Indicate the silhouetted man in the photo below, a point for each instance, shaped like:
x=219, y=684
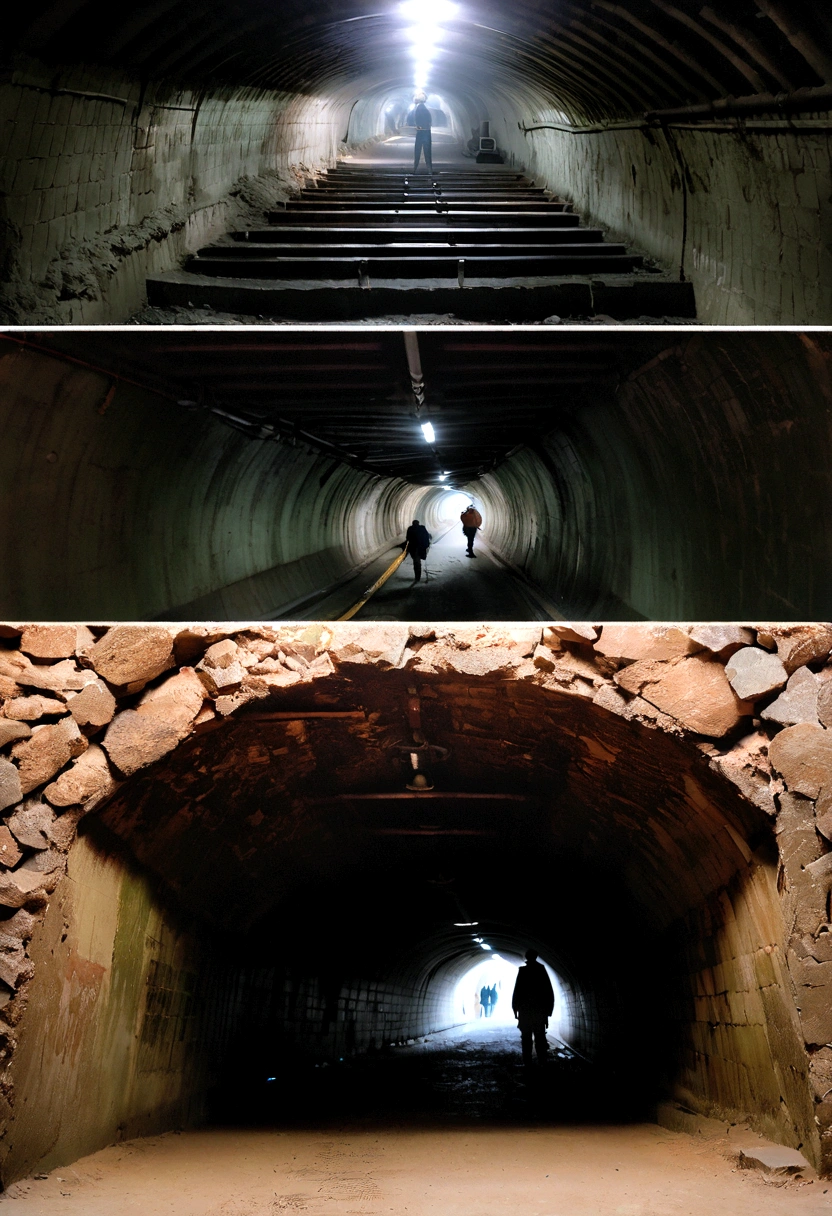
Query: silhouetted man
x=421, y=119
x=471, y=520
x=418, y=542
x=485, y=1001
x=494, y=997
x=533, y=1002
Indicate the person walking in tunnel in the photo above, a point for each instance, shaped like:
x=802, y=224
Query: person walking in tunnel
x=421, y=120
x=471, y=521
x=493, y=1001
x=485, y=1001
x=533, y=1002
x=418, y=542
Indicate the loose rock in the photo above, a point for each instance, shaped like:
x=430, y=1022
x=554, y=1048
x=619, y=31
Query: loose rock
x=132, y=654
x=802, y=754
x=695, y=691
x=631, y=643
x=49, y=641
x=138, y=737
x=31, y=824
x=30, y=709
x=11, y=790
x=799, y=701
x=47, y=751
x=723, y=640
x=753, y=673
x=88, y=778
x=11, y=731
x=10, y=852
x=94, y=706
x=19, y=887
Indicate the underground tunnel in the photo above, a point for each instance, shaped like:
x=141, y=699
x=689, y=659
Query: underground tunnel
x=253, y=476
x=253, y=876
x=696, y=142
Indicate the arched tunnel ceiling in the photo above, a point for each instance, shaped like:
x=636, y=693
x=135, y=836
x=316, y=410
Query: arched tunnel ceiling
x=485, y=393
x=250, y=813
x=588, y=58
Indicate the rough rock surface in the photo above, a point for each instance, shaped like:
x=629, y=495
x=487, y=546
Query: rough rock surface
x=137, y=737
x=694, y=691
x=630, y=643
x=10, y=731
x=49, y=641
x=31, y=823
x=722, y=639
x=10, y=788
x=802, y=754
x=88, y=778
x=798, y=702
x=10, y=853
x=47, y=751
x=94, y=706
x=30, y=709
x=130, y=655
x=753, y=673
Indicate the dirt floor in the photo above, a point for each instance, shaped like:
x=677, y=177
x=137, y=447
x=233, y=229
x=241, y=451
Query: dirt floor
x=450, y=1126
x=176, y=315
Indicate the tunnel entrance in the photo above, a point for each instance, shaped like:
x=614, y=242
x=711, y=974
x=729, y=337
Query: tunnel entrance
x=294, y=848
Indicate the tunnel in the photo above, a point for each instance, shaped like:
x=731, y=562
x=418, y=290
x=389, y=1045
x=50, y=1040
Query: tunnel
x=619, y=475
x=699, y=140
x=258, y=864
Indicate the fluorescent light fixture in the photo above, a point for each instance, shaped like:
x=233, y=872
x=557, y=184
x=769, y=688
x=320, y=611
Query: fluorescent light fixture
x=427, y=16
x=465, y=924
x=485, y=946
x=443, y=476
x=428, y=432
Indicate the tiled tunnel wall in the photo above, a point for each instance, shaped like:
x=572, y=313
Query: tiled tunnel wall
x=741, y=211
x=633, y=506
x=103, y=182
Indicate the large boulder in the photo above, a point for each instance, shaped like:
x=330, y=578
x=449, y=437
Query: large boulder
x=694, y=691
x=129, y=656
x=754, y=673
x=165, y=715
x=40, y=757
x=88, y=779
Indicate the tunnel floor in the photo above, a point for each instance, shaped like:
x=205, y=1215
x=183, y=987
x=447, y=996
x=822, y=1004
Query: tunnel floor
x=452, y=587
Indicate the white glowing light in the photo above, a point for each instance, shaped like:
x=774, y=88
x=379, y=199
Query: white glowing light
x=443, y=476
x=465, y=924
x=425, y=34
x=428, y=431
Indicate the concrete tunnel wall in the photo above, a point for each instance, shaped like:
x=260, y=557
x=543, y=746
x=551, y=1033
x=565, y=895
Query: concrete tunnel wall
x=640, y=504
x=740, y=213
x=104, y=180
x=637, y=734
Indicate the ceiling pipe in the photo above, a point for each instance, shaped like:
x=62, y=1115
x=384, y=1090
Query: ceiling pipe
x=414, y=366
x=819, y=98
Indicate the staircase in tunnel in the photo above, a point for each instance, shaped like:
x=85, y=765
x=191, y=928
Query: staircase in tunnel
x=366, y=240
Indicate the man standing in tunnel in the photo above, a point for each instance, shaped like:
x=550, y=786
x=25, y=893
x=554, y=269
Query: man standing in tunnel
x=421, y=119
x=471, y=520
x=533, y=1002
x=418, y=542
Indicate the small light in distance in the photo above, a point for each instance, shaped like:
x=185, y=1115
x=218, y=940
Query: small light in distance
x=443, y=476
x=465, y=924
x=428, y=432
x=485, y=946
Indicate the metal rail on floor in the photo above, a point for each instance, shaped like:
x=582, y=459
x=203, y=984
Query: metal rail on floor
x=391, y=569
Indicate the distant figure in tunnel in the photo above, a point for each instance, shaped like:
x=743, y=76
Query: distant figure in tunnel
x=485, y=1001
x=494, y=998
x=420, y=118
x=418, y=542
x=471, y=520
x=533, y=1002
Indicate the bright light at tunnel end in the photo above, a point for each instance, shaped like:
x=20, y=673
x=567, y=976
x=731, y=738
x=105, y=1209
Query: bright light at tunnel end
x=424, y=35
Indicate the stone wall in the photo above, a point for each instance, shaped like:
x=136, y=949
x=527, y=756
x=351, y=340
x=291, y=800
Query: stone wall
x=743, y=211
x=85, y=710
x=105, y=181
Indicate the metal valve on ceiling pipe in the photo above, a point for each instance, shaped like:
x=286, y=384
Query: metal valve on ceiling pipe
x=414, y=366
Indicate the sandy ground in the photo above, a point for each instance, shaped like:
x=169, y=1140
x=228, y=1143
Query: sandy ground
x=640, y=1170
x=450, y=1165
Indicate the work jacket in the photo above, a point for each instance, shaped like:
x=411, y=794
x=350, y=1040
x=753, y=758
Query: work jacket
x=533, y=998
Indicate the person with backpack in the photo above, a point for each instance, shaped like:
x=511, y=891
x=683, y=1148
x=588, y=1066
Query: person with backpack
x=471, y=520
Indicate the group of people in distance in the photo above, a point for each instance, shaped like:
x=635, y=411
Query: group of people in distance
x=418, y=538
